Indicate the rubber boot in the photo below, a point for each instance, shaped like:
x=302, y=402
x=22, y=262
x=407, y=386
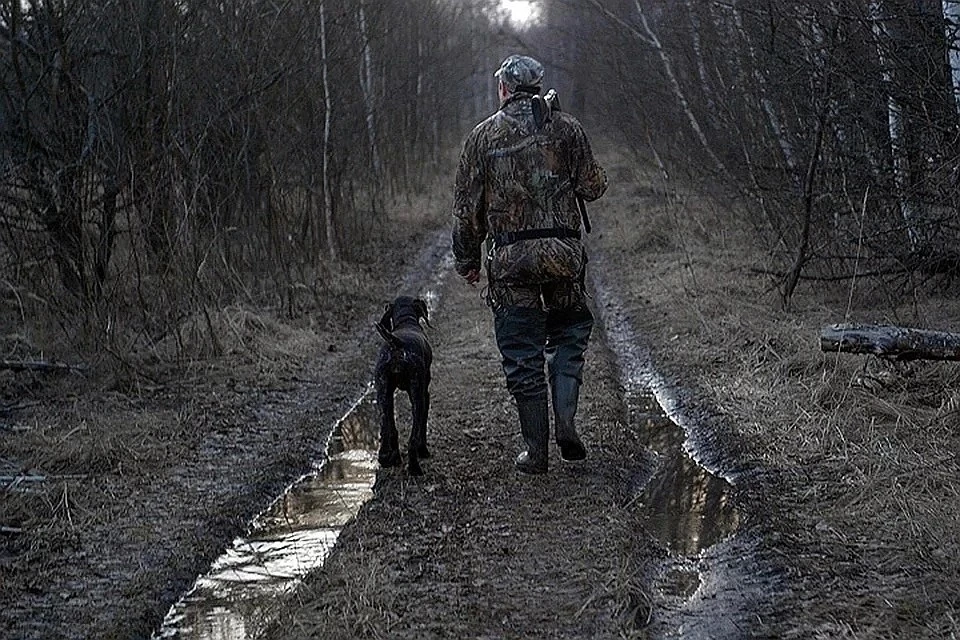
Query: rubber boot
x=535, y=429
x=566, y=393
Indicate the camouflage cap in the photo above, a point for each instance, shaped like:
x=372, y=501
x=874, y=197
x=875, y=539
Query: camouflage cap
x=518, y=71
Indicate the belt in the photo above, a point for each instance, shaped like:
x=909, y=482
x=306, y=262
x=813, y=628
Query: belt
x=509, y=237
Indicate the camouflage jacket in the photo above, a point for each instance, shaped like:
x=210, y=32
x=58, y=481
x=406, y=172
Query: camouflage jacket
x=514, y=177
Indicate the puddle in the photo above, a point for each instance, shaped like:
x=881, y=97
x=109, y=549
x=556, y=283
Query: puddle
x=686, y=505
x=294, y=536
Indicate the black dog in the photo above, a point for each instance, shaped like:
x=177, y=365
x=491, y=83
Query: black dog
x=404, y=363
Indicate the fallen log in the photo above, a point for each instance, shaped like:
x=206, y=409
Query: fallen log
x=887, y=341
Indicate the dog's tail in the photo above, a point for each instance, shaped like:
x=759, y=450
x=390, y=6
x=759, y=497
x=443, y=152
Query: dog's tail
x=387, y=336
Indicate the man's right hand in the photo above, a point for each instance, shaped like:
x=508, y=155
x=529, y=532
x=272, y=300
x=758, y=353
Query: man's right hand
x=472, y=276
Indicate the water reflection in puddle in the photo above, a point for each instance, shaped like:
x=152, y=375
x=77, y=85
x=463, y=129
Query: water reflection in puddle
x=294, y=536
x=685, y=507
x=233, y=601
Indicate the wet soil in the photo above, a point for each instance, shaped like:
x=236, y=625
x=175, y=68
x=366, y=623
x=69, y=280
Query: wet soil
x=804, y=504
x=568, y=555
x=147, y=478
x=502, y=554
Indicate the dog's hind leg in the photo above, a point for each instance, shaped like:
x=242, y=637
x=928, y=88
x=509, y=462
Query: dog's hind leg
x=389, y=454
x=422, y=450
x=420, y=405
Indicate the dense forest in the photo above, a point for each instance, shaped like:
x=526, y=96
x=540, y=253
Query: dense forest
x=161, y=156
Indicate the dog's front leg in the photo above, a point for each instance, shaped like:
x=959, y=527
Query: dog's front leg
x=389, y=454
x=420, y=406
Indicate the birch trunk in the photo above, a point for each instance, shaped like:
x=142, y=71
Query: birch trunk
x=844, y=140
x=677, y=89
x=366, y=85
x=697, y=42
x=951, y=19
x=327, y=121
x=909, y=209
x=820, y=58
x=423, y=137
x=769, y=109
x=649, y=37
x=419, y=69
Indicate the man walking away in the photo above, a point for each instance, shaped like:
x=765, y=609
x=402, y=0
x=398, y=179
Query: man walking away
x=523, y=175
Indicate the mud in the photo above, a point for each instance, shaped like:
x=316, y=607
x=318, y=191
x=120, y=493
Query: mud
x=768, y=498
x=148, y=484
x=236, y=598
x=683, y=506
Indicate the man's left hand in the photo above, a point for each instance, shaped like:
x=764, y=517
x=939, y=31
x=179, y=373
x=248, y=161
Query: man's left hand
x=472, y=276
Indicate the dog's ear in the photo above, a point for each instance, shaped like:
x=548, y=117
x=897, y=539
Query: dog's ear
x=421, y=308
x=387, y=320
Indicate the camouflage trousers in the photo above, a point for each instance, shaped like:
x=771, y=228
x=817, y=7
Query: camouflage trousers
x=551, y=334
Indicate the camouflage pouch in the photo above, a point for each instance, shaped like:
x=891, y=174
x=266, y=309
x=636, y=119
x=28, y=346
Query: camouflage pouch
x=537, y=261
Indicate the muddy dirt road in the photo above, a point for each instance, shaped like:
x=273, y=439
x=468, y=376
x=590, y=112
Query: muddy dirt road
x=774, y=525
x=474, y=549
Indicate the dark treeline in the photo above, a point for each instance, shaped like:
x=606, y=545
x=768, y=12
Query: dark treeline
x=838, y=119
x=159, y=156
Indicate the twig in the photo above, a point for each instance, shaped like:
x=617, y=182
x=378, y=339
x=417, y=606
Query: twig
x=66, y=505
x=23, y=316
x=39, y=478
x=477, y=434
x=837, y=278
x=23, y=478
x=5, y=408
x=40, y=365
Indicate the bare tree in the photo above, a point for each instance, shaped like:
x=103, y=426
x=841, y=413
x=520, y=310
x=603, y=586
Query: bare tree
x=366, y=83
x=164, y=155
x=784, y=96
x=909, y=207
x=327, y=120
x=951, y=18
x=647, y=35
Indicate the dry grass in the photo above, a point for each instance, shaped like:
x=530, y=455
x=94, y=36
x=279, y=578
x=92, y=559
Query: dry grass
x=252, y=334
x=368, y=603
x=170, y=403
x=864, y=453
x=867, y=449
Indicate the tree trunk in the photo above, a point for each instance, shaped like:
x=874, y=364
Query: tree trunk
x=327, y=120
x=702, y=74
x=107, y=234
x=40, y=365
x=951, y=18
x=808, y=197
x=899, y=343
x=909, y=208
x=769, y=108
x=677, y=90
x=649, y=37
x=366, y=84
